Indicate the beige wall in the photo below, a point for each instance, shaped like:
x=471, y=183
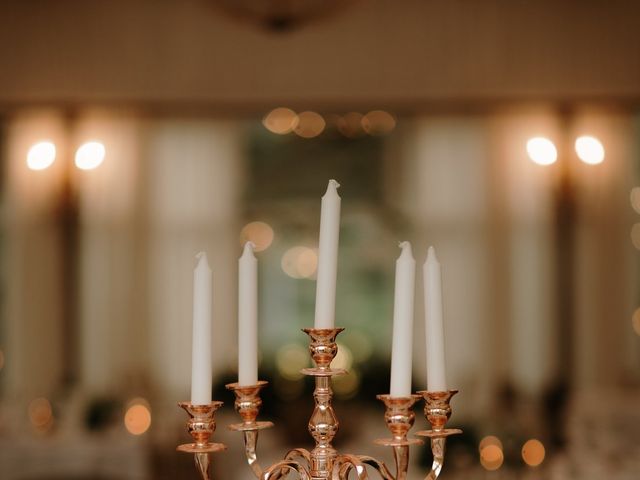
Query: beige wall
x=398, y=54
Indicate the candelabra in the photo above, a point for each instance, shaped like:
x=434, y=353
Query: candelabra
x=323, y=462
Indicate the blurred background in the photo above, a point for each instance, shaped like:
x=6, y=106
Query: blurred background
x=135, y=134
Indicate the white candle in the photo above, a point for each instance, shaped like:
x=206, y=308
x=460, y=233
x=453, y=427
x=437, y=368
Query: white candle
x=433, y=323
x=401, y=354
x=201, y=346
x=328, y=257
x=248, y=317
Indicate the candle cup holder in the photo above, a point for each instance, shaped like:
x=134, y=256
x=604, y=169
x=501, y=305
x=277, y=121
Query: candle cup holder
x=399, y=418
x=247, y=404
x=201, y=425
x=437, y=410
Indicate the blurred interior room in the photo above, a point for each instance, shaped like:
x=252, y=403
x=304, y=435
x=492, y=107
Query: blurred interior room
x=135, y=134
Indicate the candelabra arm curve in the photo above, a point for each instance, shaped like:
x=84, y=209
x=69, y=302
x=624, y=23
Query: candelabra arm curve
x=298, y=453
x=250, y=444
x=379, y=466
x=279, y=469
x=437, y=448
x=345, y=463
x=203, y=464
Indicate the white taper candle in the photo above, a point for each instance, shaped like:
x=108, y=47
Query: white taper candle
x=201, y=347
x=328, y=258
x=434, y=328
x=248, y=317
x=401, y=354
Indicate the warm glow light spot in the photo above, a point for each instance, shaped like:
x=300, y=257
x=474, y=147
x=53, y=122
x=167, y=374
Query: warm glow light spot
x=300, y=262
x=260, y=233
x=343, y=359
x=41, y=155
x=90, y=155
x=280, y=121
x=41, y=414
x=542, y=151
x=491, y=457
x=350, y=125
x=533, y=452
x=635, y=321
x=290, y=359
x=360, y=344
x=346, y=386
x=489, y=440
x=589, y=150
x=137, y=418
x=378, y=122
x=310, y=124
x=635, y=199
x=635, y=235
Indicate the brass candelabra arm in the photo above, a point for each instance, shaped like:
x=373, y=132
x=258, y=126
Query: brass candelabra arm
x=247, y=404
x=280, y=469
x=437, y=410
x=201, y=425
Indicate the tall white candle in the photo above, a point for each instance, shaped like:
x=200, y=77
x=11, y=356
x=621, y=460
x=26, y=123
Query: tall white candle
x=401, y=354
x=248, y=317
x=328, y=257
x=201, y=346
x=434, y=327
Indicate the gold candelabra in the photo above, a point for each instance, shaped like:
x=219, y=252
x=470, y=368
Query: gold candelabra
x=323, y=462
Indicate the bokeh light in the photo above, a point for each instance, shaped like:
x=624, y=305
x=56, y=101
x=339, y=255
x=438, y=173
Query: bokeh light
x=378, y=122
x=350, y=125
x=41, y=155
x=491, y=457
x=281, y=121
x=542, y=151
x=137, y=418
x=635, y=321
x=290, y=359
x=300, y=262
x=90, y=155
x=635, y=235
x=343, y=359
x=360, y=345
x=635, y=199
x=260, y=233
x=310, y=124
x=489, y=440
x=41, y=414
x=533, y=452
x=346, y=386
x=589, y=150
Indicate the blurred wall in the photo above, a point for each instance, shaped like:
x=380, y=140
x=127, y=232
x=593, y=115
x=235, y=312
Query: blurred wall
x=398, y=53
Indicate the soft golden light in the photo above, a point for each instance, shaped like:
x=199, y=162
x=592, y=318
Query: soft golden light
x=635, y=199
x=489, y=440
x=310, y=124
x=137, y=418
x=635, y=235
x=300, y=262
x=589, y=150
x=635, y=321
x=90, y=155
x=346, y=386
x=533, y=452
x=378, y=122
x=260, y=233
x=41, y=414
x=542, y=151
x=491, y=457
x=41, y=155
x=290, y=359
x=350, y=124
x=343, y=359
x=281, y=121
